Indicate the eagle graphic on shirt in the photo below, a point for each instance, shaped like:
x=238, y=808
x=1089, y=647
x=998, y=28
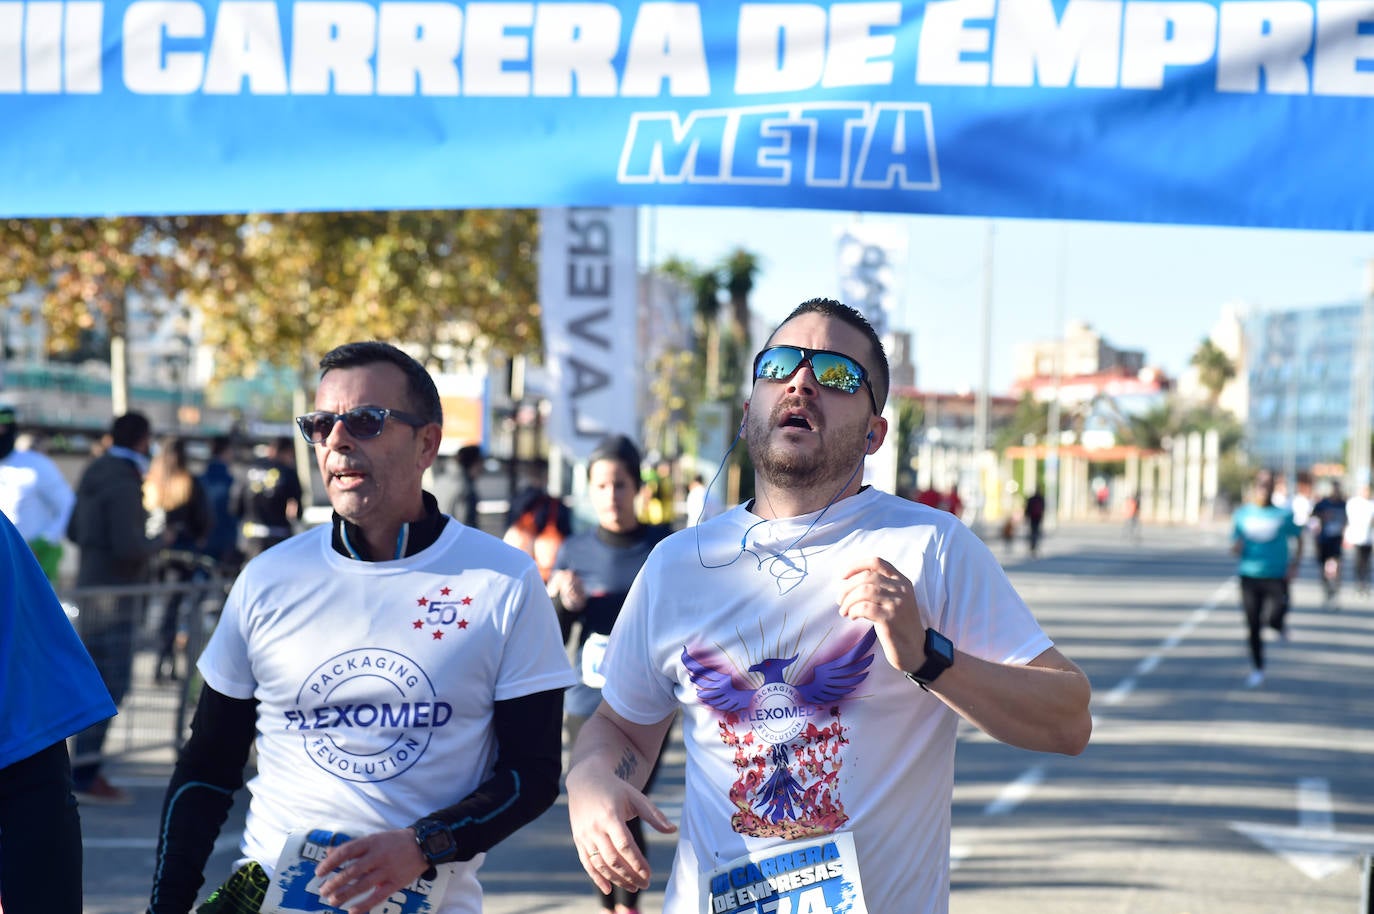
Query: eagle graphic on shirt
x=786, y=733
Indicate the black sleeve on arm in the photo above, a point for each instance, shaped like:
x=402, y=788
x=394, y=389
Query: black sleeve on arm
x=209, y=770
x=524, y=782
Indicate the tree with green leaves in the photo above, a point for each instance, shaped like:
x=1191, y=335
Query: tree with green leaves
x=1030, y=419
x=86, y=270
x=286, y=288
x=281, y=289
x=1215, y=369
x=740, y=268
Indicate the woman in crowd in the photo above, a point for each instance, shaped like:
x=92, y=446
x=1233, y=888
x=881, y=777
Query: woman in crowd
x=592, y=575
x=176, y=502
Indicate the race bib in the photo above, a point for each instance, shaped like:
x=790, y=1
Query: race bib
x=804, y=877
x=295, y=888
x=593, y=652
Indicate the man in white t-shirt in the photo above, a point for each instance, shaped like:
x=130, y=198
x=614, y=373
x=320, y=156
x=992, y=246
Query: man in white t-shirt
x=34, y=495
x=1359, y=513
x=402, y=675
x=822, y=642
x=702, y=503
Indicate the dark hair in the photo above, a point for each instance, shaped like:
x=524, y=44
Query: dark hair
x=619, y=449
x=469, y=455
x=220, y=444
x=422, y=395
x=828, y=307
x=130, y=429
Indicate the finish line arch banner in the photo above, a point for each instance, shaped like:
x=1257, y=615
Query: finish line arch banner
x=1229, y=112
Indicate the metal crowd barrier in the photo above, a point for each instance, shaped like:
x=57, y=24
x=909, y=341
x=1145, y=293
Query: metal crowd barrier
x=123, y=628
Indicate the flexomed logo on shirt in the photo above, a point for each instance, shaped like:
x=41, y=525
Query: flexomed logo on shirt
x=367, y=714
x=1208, y=111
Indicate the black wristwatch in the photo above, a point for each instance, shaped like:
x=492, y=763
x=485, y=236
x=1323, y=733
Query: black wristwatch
x=939, y=657
x=435, y=840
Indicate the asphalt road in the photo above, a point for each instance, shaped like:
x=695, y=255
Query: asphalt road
x=1195, y=796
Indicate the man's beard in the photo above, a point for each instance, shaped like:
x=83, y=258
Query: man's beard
x=789, y=468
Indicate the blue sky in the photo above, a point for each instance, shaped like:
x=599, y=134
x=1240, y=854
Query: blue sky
x=1157, y=288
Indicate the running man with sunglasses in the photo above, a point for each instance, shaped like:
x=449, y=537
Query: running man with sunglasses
x=822, y=642
x=402, y=675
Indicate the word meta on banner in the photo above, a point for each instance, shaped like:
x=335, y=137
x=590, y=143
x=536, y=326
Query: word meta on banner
x=884, y=146
x=587, y=286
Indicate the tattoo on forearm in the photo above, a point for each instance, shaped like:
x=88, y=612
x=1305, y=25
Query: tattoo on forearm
x=628, y=763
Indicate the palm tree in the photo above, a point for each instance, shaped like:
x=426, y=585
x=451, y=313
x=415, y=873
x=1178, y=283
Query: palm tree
x=706, y=288
x=1214, y=369
x=1153, y=427
x=740, y=268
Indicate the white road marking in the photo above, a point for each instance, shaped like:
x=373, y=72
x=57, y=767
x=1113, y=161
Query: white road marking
x=1012, y=795
x=1314, y=846
x=1019, y=790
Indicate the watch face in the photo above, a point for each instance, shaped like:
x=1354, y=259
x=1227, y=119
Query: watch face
x=436, y=840
x=939, y=645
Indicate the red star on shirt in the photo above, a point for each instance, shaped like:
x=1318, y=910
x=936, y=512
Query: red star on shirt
x=462, y=623
x=445, y=591
x=438, y=635
x=421, y=602
x=466, y=601
x=417, y=624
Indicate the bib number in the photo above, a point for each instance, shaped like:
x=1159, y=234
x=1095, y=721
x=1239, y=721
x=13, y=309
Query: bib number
x=295, y=888
x=820, y=876
x=593, y=653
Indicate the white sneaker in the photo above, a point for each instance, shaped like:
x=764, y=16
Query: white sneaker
x=1254, y=680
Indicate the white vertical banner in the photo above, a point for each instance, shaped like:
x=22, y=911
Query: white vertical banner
x=588, y=258
x=871, y=260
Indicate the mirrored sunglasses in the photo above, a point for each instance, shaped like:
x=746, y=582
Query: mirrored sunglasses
x=834, y=370
x=362, y=422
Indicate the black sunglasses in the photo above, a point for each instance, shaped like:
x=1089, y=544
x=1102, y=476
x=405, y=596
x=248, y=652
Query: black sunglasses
x=834, y=370
x=361, y=422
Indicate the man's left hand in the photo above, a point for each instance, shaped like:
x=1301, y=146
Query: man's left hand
x=875, y=590
x=370, y=868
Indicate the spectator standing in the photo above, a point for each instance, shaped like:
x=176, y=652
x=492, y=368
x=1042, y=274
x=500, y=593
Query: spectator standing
x=874, y=626
x=1035, y=517
x=1328, y=524
x=929, y=496
x=951, y=502
x=177, y=504
x=591, y=579
x=1301, y=501
x=34, y=495
x=40, y=851
x=537, y=525
x=222, y=543
x=110, y=527
x=269, y=501
x=1260, y=531
x=435, y=641
x=469, y=469
x=1359, y=515
x=1133, y=516
x=702, y=503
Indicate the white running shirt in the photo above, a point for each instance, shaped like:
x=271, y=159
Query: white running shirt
x=376, y=681
x=826, y=736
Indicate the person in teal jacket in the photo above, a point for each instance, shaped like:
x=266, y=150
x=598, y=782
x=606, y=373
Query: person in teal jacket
x=51, y=690
x=1260, y=534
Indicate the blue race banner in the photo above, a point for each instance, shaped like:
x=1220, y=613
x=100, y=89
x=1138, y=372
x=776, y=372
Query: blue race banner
x=1235, y=112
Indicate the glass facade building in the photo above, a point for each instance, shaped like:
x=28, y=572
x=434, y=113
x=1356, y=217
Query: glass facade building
x=1300, y=368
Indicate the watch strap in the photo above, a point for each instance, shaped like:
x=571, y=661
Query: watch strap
x=936, y=660
x=435, y=840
